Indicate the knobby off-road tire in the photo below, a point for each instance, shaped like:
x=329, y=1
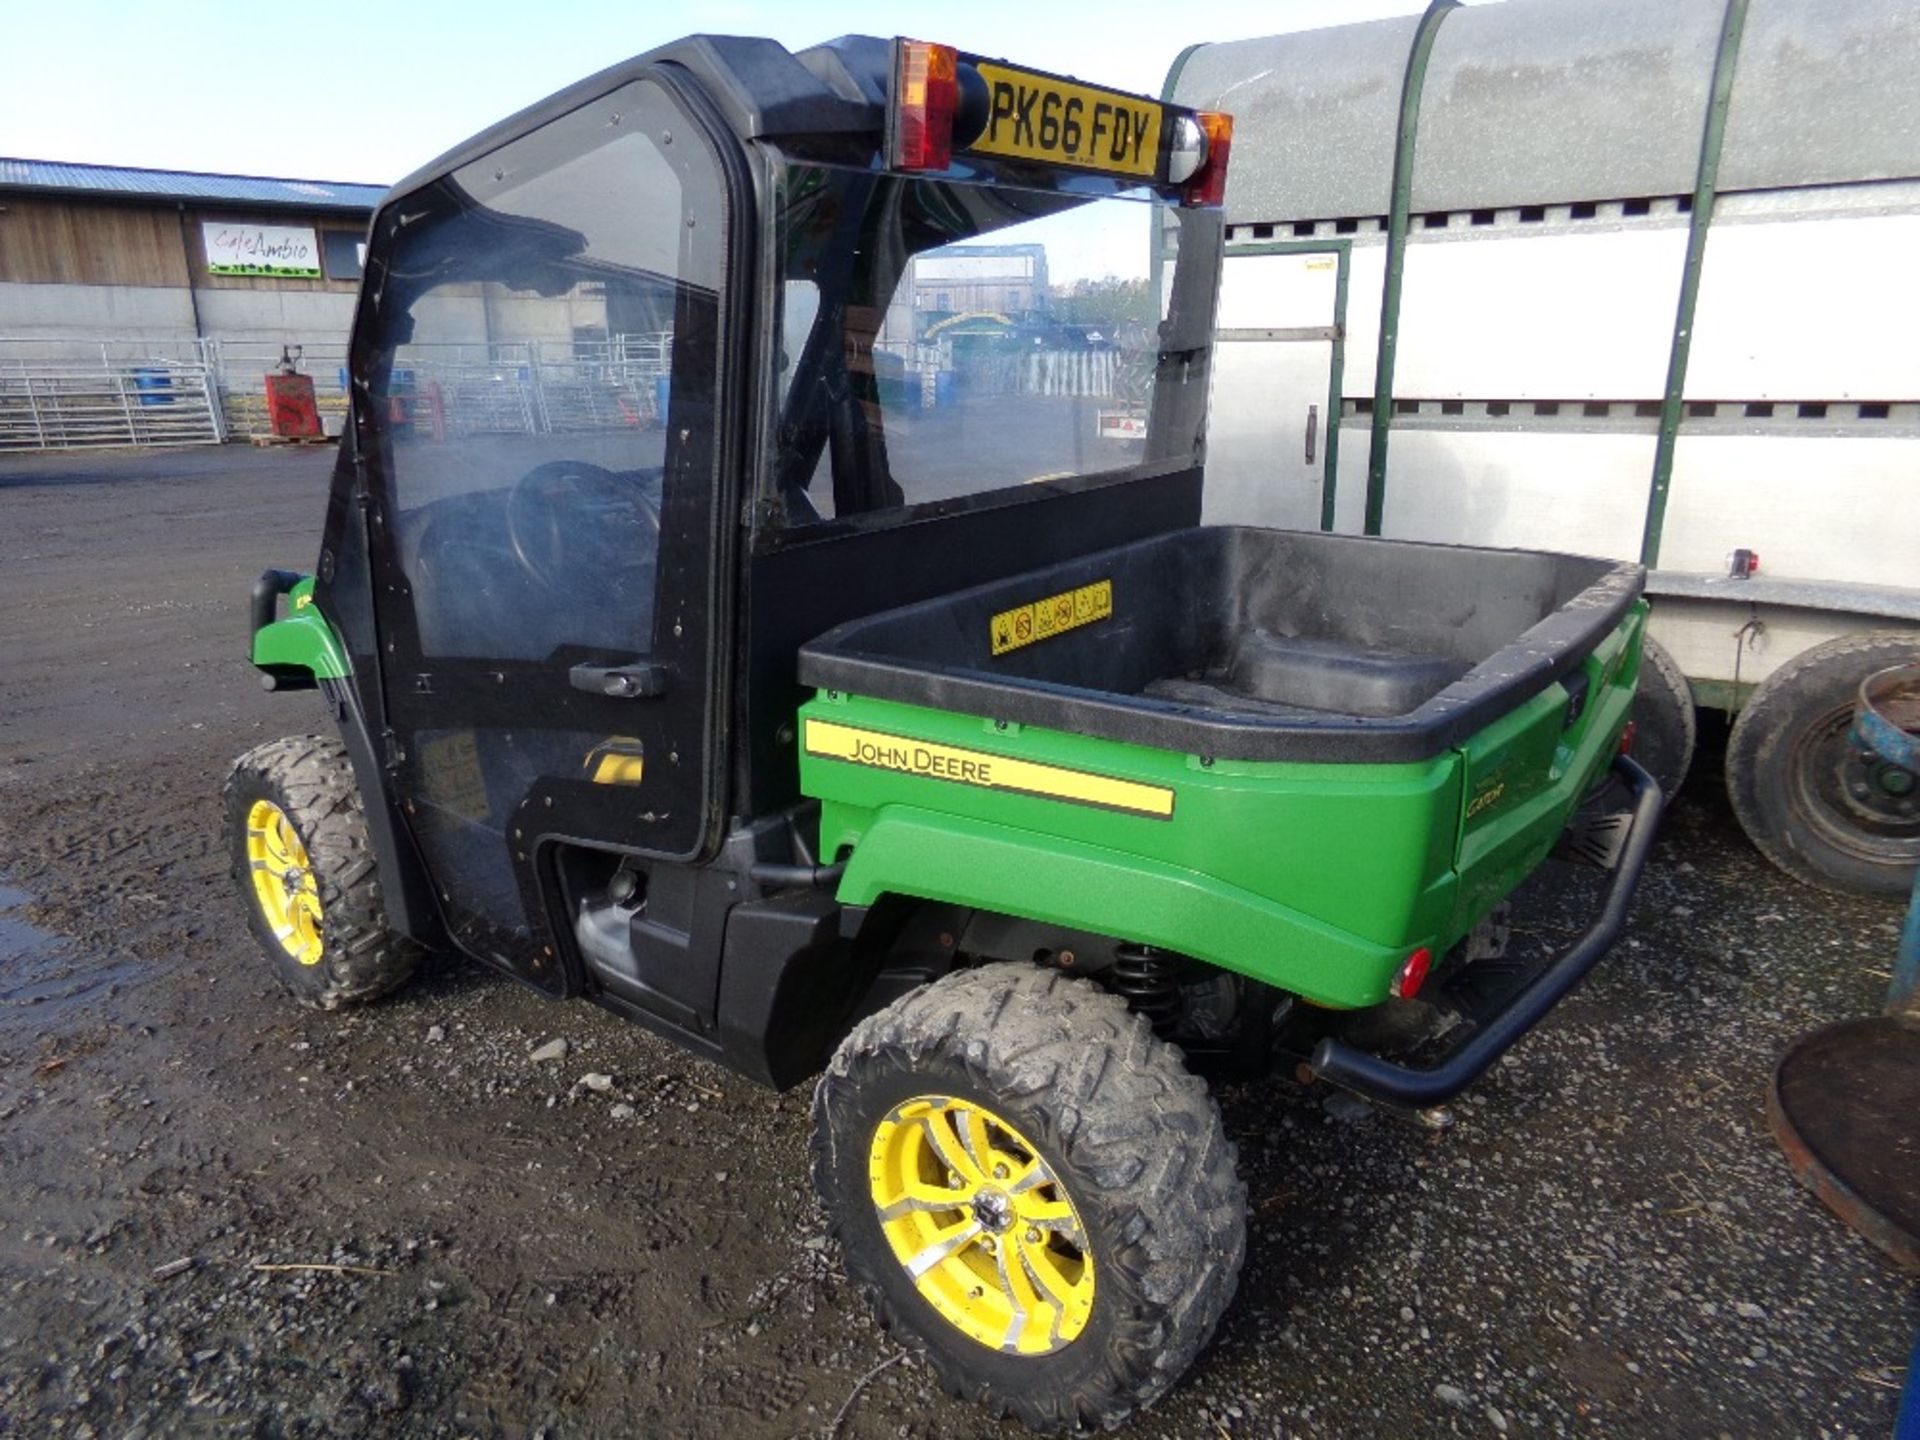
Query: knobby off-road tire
x=1665, y=726
x=325, y=933
x=1129, y=1142
x=1799, y=791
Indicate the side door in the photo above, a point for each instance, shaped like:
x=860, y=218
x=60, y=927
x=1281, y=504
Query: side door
x=1273, y=416
x=541, y=355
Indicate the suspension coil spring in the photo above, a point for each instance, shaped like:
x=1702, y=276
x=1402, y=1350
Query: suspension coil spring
x=1149, y=981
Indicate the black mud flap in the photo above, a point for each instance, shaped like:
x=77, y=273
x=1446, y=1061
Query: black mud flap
x=1595, y=836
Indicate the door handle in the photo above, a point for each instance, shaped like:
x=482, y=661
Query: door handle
x=1313, y=427
x=641, y=680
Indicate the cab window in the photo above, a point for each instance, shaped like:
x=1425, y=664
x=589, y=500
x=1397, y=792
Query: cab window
x=544, y=324
x=945, y=340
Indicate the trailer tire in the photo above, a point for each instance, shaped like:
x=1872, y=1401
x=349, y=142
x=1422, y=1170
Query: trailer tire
x=1665, y=726
x=1799, y=789
x=295, y=813
x=1067, y=1084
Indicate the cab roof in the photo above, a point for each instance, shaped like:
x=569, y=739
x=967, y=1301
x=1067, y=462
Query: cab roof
x=763, y=91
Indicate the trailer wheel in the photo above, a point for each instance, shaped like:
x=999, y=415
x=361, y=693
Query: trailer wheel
x=304, y=863
x=1032, y=1189
x=1803, y=793
x=1665, y=726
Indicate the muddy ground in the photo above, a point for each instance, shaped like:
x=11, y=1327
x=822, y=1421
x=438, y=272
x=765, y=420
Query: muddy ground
x=1606, y=1243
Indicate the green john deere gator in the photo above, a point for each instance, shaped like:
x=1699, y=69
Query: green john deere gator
x=742, y=604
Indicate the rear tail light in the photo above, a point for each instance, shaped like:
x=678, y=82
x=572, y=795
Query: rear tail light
x=926, y=93
x=1627, y=733
x=1412, y=975
x=1209, y=184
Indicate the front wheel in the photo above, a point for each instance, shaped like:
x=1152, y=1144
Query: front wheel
x=297, y=835
x=1032, y=1187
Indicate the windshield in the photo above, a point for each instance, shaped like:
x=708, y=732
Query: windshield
x=944, y=340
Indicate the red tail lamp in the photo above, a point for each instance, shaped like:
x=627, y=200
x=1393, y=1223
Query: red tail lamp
x=926, y=93
x=1209, y=187
x=1627, y=734
x=1412, y=975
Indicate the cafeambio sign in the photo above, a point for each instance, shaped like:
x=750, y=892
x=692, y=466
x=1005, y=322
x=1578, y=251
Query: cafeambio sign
x=235, y=249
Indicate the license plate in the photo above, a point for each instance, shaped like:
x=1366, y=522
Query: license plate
x=1032, y=116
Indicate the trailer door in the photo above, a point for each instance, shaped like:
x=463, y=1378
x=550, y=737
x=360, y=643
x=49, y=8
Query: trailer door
x=1273, y=416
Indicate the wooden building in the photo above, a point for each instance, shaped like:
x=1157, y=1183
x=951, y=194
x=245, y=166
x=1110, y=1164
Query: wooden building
x=92, y=253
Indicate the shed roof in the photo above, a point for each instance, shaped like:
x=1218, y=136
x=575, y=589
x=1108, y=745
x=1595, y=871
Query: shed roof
x=67, y=178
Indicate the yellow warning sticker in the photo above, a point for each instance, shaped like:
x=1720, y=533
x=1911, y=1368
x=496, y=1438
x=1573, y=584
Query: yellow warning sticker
x=1055, y=615
x=990, y=772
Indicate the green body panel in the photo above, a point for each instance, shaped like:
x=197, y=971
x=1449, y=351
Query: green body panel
x=985, y=866
x=1309, y=876
x=1317, y=878
x=303, y=642
x=1527, y=771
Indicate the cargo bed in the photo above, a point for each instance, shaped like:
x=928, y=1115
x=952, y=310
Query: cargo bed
x=1245, y=644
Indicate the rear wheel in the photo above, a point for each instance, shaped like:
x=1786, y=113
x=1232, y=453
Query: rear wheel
x=304, y=864
x=1665, y=727
x=1033, y=1189
x=1801, y=789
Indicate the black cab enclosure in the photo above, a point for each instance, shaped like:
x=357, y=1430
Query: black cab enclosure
x=513, y=519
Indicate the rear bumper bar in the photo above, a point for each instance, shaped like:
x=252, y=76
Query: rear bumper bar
x=1419, y=1086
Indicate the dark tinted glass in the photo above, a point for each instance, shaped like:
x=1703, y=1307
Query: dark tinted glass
x=943, y=340
x=545, y=322
x=344, y=253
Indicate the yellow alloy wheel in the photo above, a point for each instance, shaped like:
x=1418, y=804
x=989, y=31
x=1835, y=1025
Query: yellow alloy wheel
x=982, y=1225
x=283, y=882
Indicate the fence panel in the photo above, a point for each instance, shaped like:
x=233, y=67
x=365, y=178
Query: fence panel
x=70, y=391
x=55, y=396
x=1095, y=373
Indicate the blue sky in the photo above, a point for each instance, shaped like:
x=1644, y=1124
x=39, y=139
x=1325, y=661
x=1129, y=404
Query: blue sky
x=366, y=90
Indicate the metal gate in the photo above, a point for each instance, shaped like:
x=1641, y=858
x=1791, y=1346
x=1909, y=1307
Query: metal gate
x=55, y=395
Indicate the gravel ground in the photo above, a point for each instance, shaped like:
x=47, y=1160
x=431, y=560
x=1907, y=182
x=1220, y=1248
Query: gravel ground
x=222, y=1215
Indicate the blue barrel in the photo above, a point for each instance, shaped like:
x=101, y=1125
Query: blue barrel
x=662, y=392
x=944, y=388
x=155, y=386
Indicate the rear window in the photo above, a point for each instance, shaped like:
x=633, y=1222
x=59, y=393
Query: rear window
x=943, y=341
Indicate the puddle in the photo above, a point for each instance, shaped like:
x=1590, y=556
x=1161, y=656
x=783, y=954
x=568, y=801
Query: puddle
x=39, y=969
x=18, y=939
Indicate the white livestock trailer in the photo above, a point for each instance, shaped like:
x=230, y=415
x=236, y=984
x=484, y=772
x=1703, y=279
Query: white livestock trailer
x=1639, y=279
